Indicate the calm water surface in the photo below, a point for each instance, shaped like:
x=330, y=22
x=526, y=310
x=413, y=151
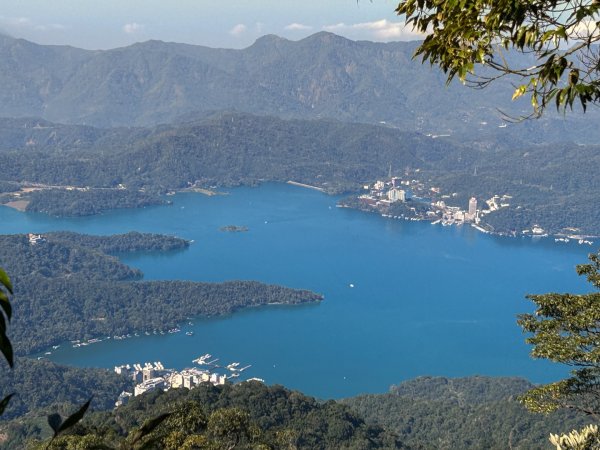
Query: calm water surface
x=427, y=300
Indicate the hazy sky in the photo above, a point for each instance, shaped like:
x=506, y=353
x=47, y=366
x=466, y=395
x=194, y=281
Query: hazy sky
x=102, y=24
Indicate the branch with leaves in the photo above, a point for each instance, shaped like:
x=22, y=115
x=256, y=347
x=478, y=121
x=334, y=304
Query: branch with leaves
x=559, y=36
x=565, y=328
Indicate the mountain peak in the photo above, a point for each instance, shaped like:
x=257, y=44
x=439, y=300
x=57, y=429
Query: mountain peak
x=269, y=39
x=326, y=37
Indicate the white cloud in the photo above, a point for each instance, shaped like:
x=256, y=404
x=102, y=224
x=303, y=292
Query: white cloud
x=238, y=30
x=50, y=26
x=584, y=30
x=25, y=23
x=133, y=28
x=297, y=27
x=379, y=30
x=18, y=22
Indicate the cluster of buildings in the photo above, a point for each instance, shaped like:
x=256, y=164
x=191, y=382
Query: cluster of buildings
x=427, y=202
x=454, y=215
x=151, y=376
x=384, y=193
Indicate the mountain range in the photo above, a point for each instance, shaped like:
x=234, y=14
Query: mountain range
x=321, y=76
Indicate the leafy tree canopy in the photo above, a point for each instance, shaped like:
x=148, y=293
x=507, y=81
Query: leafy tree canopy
x=565, y=328
x=559, y=35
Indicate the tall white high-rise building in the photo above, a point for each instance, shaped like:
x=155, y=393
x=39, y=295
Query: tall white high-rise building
x=472, y=208
x=396, y=195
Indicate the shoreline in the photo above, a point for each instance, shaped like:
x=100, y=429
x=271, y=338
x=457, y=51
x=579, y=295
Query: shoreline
x=203, y=191
x=19, y=205
x=307, y=186
x=557, y=237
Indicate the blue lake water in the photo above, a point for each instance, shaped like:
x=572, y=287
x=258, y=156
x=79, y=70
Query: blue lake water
x=427, y=300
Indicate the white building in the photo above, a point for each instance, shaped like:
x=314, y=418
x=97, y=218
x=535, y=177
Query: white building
x=379, y=185
x=472, y=206
x=537, y=230
x=149, y=385
x=472, y=214
x=396, y=195
x=35, y=238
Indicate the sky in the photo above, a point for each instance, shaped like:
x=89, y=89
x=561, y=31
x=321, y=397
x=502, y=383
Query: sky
x=216, y=23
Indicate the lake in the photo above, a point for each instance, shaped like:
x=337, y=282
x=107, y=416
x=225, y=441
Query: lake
x=402, y=299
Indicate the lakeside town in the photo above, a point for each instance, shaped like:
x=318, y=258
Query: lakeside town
x=153, y=375
x=410, y=199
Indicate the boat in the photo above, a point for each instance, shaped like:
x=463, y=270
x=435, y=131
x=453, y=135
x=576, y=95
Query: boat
x=189, y=333
x=202, y=359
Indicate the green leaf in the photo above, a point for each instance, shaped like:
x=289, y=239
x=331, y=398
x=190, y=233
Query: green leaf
x=5, y=304
x=5, y=281
x=149, y=426
x=2, y=324
x=6, y=349
x=54, y=420
x=519, y=91
x=75, y=417
x=4, y=403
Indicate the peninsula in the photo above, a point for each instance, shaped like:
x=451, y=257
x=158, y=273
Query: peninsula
x=95, y=295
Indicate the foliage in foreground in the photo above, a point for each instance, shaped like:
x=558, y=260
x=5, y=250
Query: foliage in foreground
x=243, y=416
x=560, y=37
x=565, y=328
x=586, y=439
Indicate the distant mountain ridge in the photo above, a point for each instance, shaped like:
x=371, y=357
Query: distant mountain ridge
x=323, y=75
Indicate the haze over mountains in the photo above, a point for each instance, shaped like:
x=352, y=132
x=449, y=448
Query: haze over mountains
x=321, y=76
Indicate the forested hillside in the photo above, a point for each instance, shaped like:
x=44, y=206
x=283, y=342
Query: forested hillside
x=471, y=412
x=95, y=170
x=42, y=386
